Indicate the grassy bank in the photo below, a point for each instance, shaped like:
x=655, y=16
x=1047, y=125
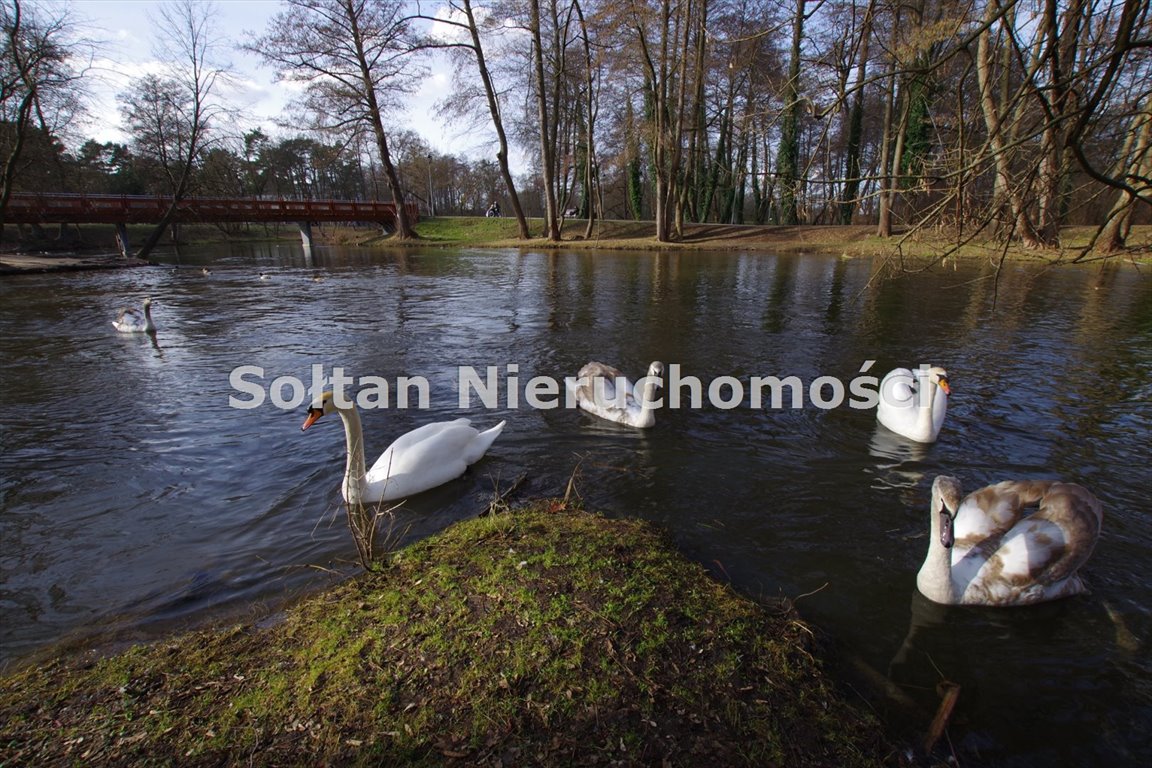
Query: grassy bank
x=533, y=637
x=474, y=231
x=849, y=241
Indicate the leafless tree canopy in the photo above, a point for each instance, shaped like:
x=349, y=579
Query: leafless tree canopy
x=992, y=119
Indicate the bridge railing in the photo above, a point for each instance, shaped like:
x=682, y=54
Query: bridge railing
x=69, y=208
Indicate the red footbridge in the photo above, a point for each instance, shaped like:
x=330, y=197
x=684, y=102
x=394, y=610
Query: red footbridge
x=119, y=210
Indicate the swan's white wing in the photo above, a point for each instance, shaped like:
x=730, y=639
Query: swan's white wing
x=597, y=385
x=898, y=389
x=481, y=443
x=1039, y=557
x=1079, y=516
x=1019, y=570
x=988, y=512
x=606, y=392
x=992, y=511
x=425, y=458
x=411, y=443
x=129, y=319
x=595, y=369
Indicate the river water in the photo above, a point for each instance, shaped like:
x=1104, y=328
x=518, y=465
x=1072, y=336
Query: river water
x=136, y=500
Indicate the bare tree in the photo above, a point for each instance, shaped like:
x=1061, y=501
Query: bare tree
x=547, y=120
x=354, y=57
x=594, y=203
x=1135, y=165
x=855, y=132
x=40, y=84
x=464, y=18
x=171, y=116
x=663, y=32
x=789, y=154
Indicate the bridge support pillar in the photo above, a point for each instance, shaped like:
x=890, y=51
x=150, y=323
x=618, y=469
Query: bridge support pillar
x=306, y=234
x=122, y=240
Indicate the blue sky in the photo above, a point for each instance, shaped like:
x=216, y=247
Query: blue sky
x=125, y=28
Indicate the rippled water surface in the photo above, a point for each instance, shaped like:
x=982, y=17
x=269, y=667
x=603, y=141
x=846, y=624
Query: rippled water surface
x=135, y=500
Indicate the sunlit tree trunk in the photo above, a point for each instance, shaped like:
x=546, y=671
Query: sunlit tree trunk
x=594, y=200
x=633, y=170
x=1007, y=191
x=1136, y=165
x=656, y=57
x=404, y=225
x=1061, y=48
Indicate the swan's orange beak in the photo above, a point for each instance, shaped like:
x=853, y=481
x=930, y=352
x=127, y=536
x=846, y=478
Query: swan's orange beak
x=943, y=383
x=313, y=415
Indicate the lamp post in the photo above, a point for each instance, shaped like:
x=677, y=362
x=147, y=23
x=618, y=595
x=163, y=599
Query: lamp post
x=431, y=199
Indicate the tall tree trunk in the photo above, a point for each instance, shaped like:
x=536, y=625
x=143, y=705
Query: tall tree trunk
x=404, y=229
x=664, y=128
x=1062, y=47
x=186, y=18
x=594, y=201
x=1006, y=190
x=497, y=122
x=739, y=171
x=546, y=129
x=856, y=124
x=695, y=189
x=884, y=220
x=633, y=168
x=787, y=164
x=692, y=21
x=1136, y=162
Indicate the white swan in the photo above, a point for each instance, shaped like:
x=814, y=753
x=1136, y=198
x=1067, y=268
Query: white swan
x=132, y=320
x=606, y=392
x=913, y=404
x=416, y=461
x=984, y=550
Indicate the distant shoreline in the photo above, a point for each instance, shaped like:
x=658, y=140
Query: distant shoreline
x=847, y=241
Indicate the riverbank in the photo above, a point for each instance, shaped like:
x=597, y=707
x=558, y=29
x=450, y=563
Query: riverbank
x=905, y=247
x=22, y=264
x=539, y=636
x=617, y=235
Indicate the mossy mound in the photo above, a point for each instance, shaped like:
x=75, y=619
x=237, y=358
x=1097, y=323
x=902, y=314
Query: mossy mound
x=533, y=637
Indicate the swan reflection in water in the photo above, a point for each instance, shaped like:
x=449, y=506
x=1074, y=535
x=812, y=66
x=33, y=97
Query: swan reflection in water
x=900, y=466
x=1013, y=669
x=909, y=417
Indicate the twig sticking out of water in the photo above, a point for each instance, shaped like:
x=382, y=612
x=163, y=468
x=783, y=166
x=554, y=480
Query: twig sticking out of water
x=950, y=692
x=571, y=489
x=500, y=498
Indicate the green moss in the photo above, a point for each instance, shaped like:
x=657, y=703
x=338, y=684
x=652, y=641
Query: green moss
x=539, y=637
